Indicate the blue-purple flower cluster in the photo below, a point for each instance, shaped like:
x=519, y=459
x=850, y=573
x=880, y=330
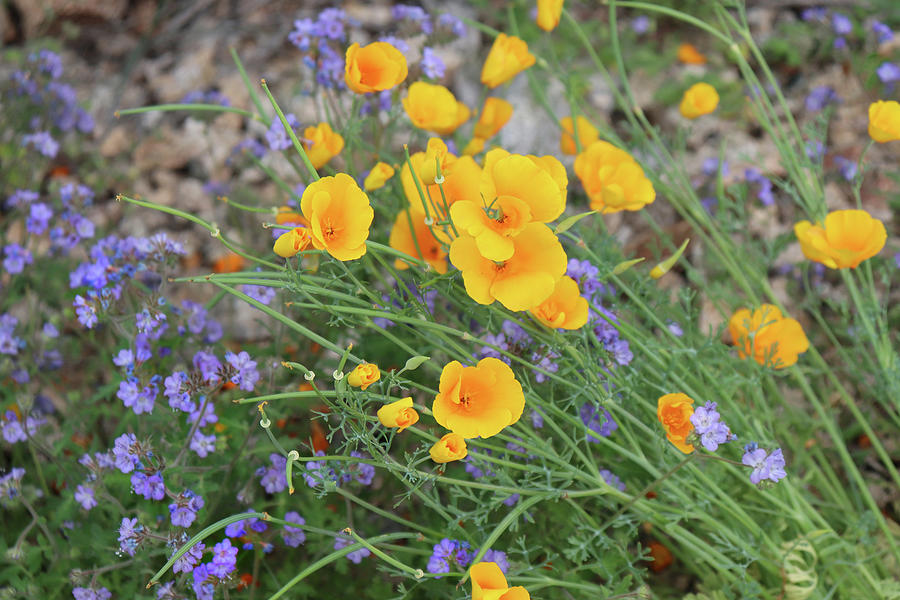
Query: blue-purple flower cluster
x=48, y=106
x=710, y=428
x=767, y=466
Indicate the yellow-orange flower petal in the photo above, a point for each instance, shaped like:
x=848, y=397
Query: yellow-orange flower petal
x=398, y=414
x=321, y=144
x=449, y=448
x=494, y=226
x=364, y=375
x=689, y=55
x=884, y=121
x=674, y=412
x=767, y=336
x=424, y=245
x=520, y=283
x=699, y=99
x=378, y=176
x=478, y=401
x=475, y=145
x=613, y=180
x=438, y=160
x=565, y=308
x=847, y=238
x=495, y=114
x=488, y=581
x=434, y=108
x=292, y=242
x=548, y=14
x=462, y=178
x=339, y=215
x=376, y=67
x=508, y=57
x=539, y=181
x=587, y=134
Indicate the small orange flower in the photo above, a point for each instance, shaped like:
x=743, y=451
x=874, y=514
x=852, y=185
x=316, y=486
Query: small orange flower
x=508, y=57
x=321, y=144
x=520, y=283
x=699, y=99
x=689, y=55
x=292, y=242
x=493, y=117
x=674, y=412
x=424, y=245
x=364, y=375
x=374, y=68
x=480, y=400
x=434, y=108
x=378, y=176
x=489, y=583
x=398, y=414
x=613, y=180
x=769, y=337
x=548, y=14
x=230, y=263
x=449, y=448
x=587, y=134
x=847, y=238
x=884, y=121
x=339, y=214
x=660, y=556
x=565, y=308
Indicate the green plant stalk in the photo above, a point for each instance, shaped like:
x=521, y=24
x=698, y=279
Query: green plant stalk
x=290, y=131
x=175, y=107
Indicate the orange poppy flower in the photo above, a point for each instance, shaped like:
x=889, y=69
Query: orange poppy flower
x=847, y=238
x=587, y=134
x=229, y=263
x=613, y=180
x=434, y=108
x=364, y=375
x=674, y=412
x=495, y=114
x=376, y=67
x=321, y=144
x=339, y=215
x=565, y=308
x=400, y=414
x=769, y=337
x=520, y=283
x=424, y=245
x=508, y=57
x=478, y=401
x=689, y=55
x=449, y=448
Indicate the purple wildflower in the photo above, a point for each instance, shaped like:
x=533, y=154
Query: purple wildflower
x=841, y=24
x=820, y=97
x=765, y=466
x=342, y=541
x=247, y=375
x=499, y=557
x=224, y=559
x=150, y=487
x=882, y=31
x=84, y=495
x=432, y=65
x=43, y=142
x=130, y=535
x=186, y=563
x=600, y=422
x=16, y=258
x=293, y=536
